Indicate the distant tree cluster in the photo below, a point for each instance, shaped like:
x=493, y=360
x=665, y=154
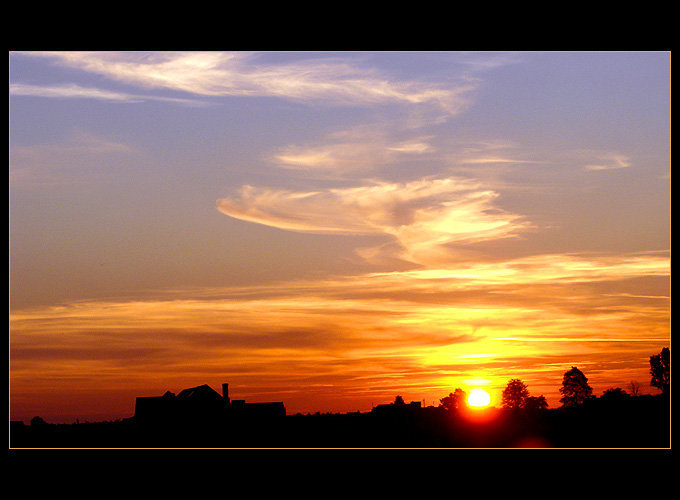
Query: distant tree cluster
x=454, y=400
x=516, y=396
x=575, y=389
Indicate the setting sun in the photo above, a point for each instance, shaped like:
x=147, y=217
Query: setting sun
x=479, y=398
x=380, y=224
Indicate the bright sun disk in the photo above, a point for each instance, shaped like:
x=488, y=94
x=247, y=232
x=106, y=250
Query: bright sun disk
x=478, y=398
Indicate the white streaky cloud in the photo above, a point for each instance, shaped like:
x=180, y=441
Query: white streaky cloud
x=422, y=216
x=327, y=81
x=545, y=269
x=492, y=152
x=471, y=217
x=363, y=148
x=72, y=91
x=412, y=147
x=493, y=160
x=608, y=161
x=68, y=92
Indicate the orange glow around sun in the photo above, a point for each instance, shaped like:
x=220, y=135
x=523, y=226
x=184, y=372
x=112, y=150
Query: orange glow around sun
x=478, y=398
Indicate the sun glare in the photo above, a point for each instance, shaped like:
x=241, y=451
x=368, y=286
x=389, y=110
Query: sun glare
x=479, y=398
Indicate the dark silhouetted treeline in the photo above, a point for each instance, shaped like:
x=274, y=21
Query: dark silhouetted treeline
x=199, y=417
x=604, y=422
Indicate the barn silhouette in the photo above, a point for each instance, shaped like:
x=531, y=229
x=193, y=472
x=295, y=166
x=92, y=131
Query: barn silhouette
x=202, y=404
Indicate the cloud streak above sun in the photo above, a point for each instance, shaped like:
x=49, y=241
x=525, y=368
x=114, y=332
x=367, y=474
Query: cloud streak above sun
x=364, y=335
x=423, y=216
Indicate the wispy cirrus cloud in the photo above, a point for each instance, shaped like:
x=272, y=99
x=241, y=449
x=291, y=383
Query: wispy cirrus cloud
x=358, y=150
x=564, y=268
x=68, y=92
x=331, y=81
x=607, y=161
x=369, y=333
x=72, y=91
x=423, y=216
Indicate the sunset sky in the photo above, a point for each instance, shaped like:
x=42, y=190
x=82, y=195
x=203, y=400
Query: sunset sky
x=332, y=230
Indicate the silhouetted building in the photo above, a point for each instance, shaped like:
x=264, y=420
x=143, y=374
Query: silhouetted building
x=397, y=409
x=202, y=404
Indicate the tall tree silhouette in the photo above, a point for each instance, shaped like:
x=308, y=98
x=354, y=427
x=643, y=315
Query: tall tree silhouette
x=534, y=403
x=515, y=394
x=615, y=394
x=454, y=400
x=634, y=388
x=660, y=368
x=575, y=389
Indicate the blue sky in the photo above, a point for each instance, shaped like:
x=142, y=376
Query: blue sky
x=209, y=177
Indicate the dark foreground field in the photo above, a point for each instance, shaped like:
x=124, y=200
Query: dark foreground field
x=641, y=422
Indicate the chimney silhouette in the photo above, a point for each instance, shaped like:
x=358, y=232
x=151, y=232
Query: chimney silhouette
x=225, y=393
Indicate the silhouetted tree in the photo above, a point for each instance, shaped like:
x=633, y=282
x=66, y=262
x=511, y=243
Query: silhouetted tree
x=38, y=422
x=634, y=388
x=515, y=394
x=614, y=399
x=398, y=401
x=660, y=368
x=575, y=389
x=614, y=394
x=534, y=403
x=454, y=400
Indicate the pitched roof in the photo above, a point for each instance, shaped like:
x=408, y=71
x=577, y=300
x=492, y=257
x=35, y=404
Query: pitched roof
x=202, y=391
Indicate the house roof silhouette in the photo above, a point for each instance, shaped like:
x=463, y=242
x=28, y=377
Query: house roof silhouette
x=203, y=402
x=204, y=392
